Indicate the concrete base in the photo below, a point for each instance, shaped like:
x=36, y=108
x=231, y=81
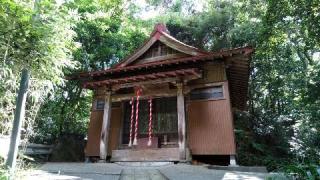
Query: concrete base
x=152, y=174
x=101, y=161
x=144, y=164
x=98, y=171
x=233, y=161
x=145, y=155
x=257, y=169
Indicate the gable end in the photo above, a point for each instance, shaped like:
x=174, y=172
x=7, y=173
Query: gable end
x=160, y=35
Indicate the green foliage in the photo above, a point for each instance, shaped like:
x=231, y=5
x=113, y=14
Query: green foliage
x=302, y=171
x=66, y=112
x=53, y=40
x=38, y=37
x=258, y=144
x=4, y=174
x=105, y=34
x=281, y=126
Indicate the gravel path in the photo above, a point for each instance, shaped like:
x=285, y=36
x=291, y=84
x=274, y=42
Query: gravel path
x=106, y=171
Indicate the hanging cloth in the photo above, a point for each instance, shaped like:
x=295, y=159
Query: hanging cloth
x=150, y=122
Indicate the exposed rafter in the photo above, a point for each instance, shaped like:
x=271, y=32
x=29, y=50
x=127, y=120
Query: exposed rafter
x=159, y=77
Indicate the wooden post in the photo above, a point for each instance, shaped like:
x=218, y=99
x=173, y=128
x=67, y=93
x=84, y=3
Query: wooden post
x=18, y=118
x=105, y=126
x=181, y=122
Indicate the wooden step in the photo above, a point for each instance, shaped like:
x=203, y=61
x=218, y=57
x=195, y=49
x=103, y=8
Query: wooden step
x=159, y=154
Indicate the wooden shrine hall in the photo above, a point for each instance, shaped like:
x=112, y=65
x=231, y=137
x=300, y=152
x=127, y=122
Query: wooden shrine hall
x=167, y=101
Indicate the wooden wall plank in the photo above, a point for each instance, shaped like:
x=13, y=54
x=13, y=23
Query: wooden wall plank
x=212, y=72
x=115, y=126
x=210, y=126
x=93, y=142
x=95, y=124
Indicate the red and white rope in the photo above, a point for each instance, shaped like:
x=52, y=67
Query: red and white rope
x=131, y=121
x=150, y=121
x=137, y=118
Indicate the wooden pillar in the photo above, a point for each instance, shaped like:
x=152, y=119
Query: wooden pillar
x=105, y=126
x=181, y=122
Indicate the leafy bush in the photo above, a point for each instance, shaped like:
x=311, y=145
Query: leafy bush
x=4, y=174
x=302, y=171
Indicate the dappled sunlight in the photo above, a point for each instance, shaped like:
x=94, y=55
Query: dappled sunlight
x=76, y=173
x=39, y=174
x=237, y=175
x=115, y=171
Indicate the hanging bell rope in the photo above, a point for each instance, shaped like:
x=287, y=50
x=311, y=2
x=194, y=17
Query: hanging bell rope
x=150, y=122
x=131, y=121
x=137, y=117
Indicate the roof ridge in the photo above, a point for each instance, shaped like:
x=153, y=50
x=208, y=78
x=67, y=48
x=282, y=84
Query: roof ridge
x=160, y=33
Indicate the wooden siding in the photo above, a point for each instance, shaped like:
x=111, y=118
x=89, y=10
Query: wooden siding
x=94, y=131
x=116, y=115
x=160, y=58
x=158, y=52
x=212, y=72
x=210, y=126
x=93, y=143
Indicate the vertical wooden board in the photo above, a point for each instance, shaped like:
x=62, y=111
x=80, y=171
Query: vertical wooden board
x=116, y=115
x=215, y=72
x=93, y=143
x=210, y=126
x=212, y=72
x=159, y=52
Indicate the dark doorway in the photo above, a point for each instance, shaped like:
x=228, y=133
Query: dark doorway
x=164, y=123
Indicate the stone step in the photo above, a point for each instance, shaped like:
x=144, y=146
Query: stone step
x=144, y=164
x=139, y=155
x=257, y=169
x=142, y=174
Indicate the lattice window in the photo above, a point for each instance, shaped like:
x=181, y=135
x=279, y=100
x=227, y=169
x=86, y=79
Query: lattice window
x=165, y=120
x=99, y=104
x=215, y=92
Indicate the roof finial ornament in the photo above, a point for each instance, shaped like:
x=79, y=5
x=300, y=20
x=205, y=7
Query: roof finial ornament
x=161, y=27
